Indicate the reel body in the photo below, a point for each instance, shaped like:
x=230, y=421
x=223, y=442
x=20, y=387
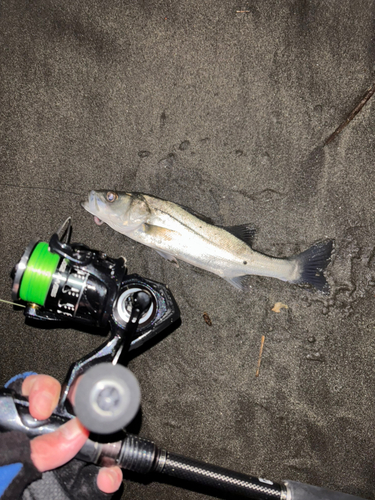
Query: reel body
x=73, y=283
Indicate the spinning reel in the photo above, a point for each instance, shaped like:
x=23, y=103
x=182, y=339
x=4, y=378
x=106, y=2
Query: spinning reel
x=63, y=282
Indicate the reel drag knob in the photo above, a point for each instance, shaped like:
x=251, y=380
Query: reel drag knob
x=107, y=398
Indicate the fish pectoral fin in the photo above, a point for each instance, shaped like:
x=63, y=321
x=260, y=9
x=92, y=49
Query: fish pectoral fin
x=168, y=256
x=240, y=282
x=159, y=233
x=244, y=232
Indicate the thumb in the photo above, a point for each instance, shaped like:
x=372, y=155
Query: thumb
x=53, y=450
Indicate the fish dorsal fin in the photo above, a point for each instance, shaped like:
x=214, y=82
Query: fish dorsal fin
x=244, y=232
x=203, y=218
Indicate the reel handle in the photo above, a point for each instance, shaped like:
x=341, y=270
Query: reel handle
x=107, y=398
x=114, y=350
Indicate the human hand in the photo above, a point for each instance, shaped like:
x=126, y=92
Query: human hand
x=57, y=448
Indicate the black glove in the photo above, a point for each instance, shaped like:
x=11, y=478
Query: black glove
x=16, y=467
x=76, y=480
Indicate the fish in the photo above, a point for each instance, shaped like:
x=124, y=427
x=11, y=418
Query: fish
x=180, y=233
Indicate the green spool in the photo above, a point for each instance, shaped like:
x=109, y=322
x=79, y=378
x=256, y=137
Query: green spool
x=37, y=278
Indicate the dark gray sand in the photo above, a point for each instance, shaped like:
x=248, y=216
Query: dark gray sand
x=226, y=112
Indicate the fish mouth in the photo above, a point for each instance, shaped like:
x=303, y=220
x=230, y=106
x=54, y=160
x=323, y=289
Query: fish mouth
x=92, y=206
x=98, y=221
x=85, y=205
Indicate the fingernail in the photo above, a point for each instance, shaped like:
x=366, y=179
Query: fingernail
x=112, y=475
x=109, y=479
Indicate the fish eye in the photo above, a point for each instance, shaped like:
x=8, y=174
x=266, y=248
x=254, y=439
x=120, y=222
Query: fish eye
x=111, y=196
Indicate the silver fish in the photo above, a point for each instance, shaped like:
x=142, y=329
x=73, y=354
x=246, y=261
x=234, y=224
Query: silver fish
x=176, y=232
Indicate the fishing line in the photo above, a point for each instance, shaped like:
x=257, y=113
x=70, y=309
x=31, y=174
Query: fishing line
x=37, y=271
x=42, y=188
x=37, y=277
x=11, y=303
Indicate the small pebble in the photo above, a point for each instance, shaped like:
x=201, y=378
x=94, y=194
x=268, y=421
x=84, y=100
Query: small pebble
x=143, y=154
x=184, y=145
x=167, y=162
x=314, y=356
x=318, y=109
x=163, y=119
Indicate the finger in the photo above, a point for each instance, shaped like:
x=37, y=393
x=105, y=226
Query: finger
x=53, y=450
x=28, y=383
x=109, y=479
x=43, y=392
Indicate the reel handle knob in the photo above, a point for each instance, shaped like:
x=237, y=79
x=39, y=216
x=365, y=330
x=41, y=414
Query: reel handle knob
x=107, y=398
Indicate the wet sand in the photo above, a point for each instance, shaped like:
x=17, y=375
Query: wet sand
x=223, y=107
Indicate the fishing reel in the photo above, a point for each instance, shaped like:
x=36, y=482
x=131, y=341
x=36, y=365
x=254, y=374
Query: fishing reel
x=71, y=282
x=63, y=282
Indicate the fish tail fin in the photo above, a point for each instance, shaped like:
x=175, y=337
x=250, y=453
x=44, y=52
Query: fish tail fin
x=312, y=263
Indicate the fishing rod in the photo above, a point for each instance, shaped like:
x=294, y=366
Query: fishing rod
x=142, y=456
x=60, y=281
